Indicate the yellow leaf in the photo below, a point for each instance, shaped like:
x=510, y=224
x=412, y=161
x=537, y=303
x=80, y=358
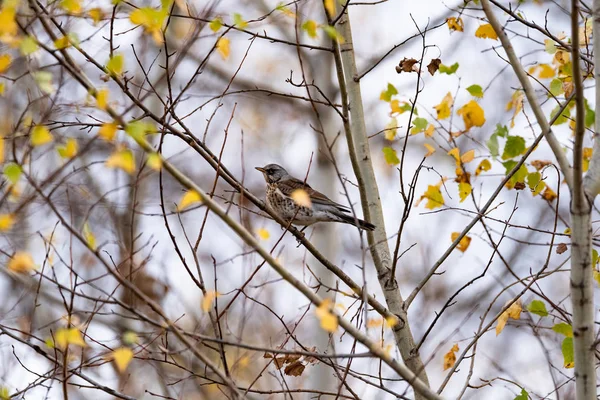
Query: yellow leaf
x=549, y=194
x=468, y=156
x=122, y=357
x=329, y=321
x=2, y=88
x=215, y=24
x=464, y=243
x=96, y=14
x=472, y=114
x=154, y=161
x=40, y=135
x=310, y=27
x=544, y=71
x=486, y=31
x=484, y=165
x=301, y=197
x=102, y=99
x=108, y=131
x=67, y=336
x=515, y=104
x=6, y=222
x=455, y=24
x=374, y=323
x=208, y=300
x=223, y=47
x=430, y=130
x=430, y=149
x=587, y=156
x=514, y=312
x=455, y=153
x=89, y=236
x=69, y=150
x=391, y=321
x=5, y=60
x=464, y=190
x=450, y=357
x=391, y=129
x=434, y=197
x=330, y=7
x=8, y=24
x=263, y=234
x=122, y=159
x=71, y=6
x=190, y=197
x=116, y=64
x=152, y=20
x=443, y=109
x=21, y=262
x=62, y=42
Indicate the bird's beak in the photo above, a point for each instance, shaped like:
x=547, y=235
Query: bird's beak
x=260, y=169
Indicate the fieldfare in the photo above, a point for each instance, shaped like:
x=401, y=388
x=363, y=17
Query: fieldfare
x=280, y=189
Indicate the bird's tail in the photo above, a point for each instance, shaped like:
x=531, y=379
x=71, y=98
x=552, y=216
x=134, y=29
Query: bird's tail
x=349, y=219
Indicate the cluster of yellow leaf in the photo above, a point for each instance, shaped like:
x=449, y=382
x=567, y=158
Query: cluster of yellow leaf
x=208, y=300
x=68, y=336
x=327, y=318
x=514, y=312
x=450, y=357
x=152, y=20
x=189, y=197
x=301, y=197
x=21, y=263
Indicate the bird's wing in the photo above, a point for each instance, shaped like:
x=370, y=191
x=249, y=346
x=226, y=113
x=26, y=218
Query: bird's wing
x=289, y=185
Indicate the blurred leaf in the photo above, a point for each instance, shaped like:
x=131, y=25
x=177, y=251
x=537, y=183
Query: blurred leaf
x=108, y=131
x=122, y=357
x=538, y=307
x=102, y=99
x=310, y=27
x=301, y=198
x=190, y=197
x=390, y=156
x=5, y=61
x=239, y=21
x=122, y=159
x=89, y=236
x=69, y=150
x=66, y=336
x=21, y=263
x=154, y=161
x=329, y=321
x=44, y=81
x=330, y=7
x=223, y=47
x=216, y=24
x=71, y=6
x=430, y=149
x=96, y=14
x=40, y=135
x=333, y=33
x=208, y=300
x=263, y=234
x=6, y=222
x=28, y=46
x=116, y=64
x=12, y=172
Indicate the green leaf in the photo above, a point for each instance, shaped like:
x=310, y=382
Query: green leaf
x=556, y=87
x=590, y=115
x=390, y=156
x=515, y=146
x=520, y=175
x=501, y=130
x=564, y=329
x=538, y=307
x=523, y=395
x=533, y=179
x=475, y=90
x=563, y=117
x=12, y=172
x=567, y=351
x=239, y=21
x=215, y=24
x=116, y=64
x=333, y=33
x=419, y=125
x=492, y=144
x=387, y=94
x=28, y=46
x=4, y=394
x=449, y=70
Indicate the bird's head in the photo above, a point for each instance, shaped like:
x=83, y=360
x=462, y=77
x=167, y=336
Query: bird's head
x=273, y=172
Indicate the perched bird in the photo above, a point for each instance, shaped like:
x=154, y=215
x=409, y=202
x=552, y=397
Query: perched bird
x=282, y=199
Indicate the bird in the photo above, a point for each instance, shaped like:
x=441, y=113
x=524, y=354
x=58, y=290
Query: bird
x=284, y=193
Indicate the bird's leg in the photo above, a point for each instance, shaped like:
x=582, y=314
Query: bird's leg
x=301, y=233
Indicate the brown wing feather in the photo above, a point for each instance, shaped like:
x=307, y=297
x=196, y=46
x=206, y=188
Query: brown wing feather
x=289, y=185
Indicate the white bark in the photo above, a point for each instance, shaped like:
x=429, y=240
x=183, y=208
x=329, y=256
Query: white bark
x=360, y=155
